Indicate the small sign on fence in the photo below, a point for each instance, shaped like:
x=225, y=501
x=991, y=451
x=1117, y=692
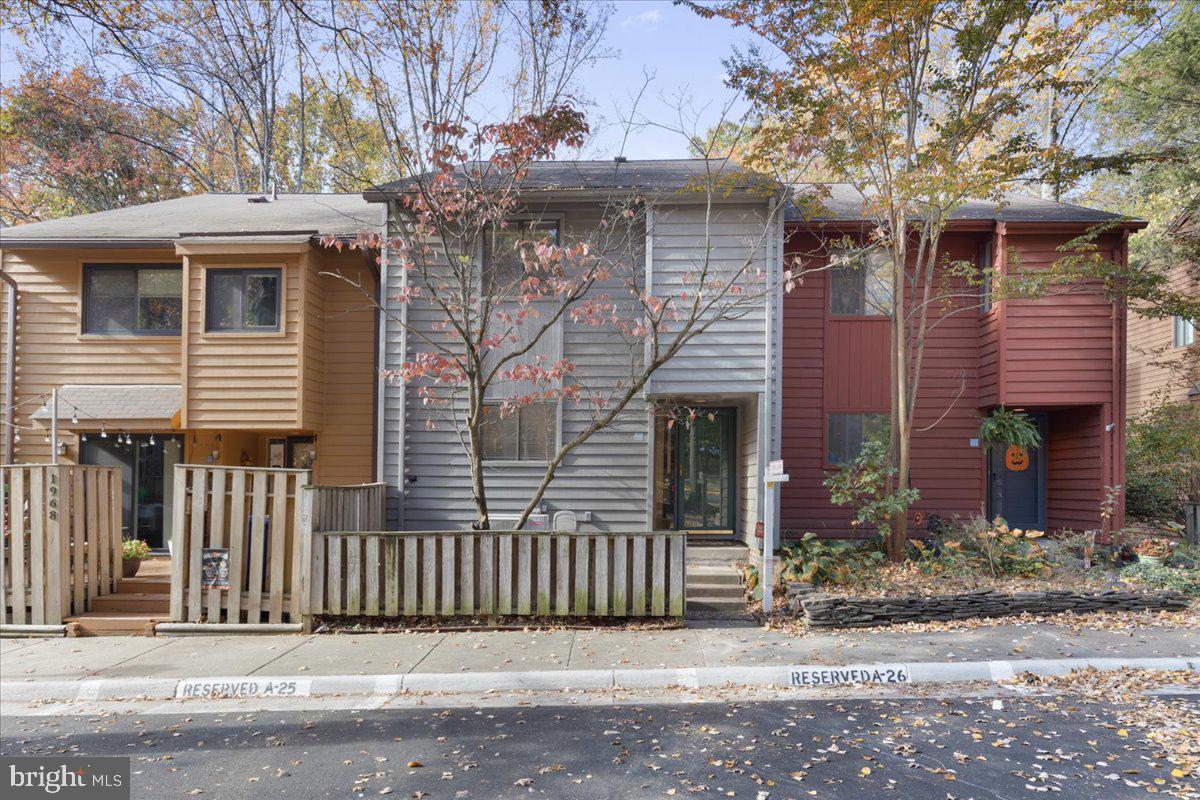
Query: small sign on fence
x=214, y=568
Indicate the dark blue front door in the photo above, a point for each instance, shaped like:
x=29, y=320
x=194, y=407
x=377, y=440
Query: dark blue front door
x=1017, y=483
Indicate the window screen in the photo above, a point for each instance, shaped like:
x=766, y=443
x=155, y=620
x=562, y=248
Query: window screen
x=242, y=300
x=132, y=299
x=848, y=432
x=862, y=287
x=528, y=434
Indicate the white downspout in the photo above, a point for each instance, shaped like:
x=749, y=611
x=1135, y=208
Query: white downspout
x=10, y=356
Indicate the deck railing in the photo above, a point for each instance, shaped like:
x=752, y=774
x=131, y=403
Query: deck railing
x=61, y=540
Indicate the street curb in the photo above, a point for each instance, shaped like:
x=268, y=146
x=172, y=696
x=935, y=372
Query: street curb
x=799, y=675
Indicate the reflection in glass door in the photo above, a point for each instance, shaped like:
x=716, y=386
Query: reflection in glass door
x=695, y=471
x=147, y=466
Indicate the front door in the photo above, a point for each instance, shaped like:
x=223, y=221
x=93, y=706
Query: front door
x=147, y=466
x=696, y=468
x=1017, y=483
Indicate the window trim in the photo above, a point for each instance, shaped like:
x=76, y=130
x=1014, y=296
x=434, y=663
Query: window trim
x=825, y=462
x=86, y=266
x=1181, y=330
x=555, y=444
x=280, y=327
x=829, y=312
x=557, y=217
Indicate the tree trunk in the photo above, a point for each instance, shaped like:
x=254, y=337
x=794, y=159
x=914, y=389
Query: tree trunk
x=900, y=431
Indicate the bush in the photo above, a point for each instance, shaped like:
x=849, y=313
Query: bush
x=1162, y=463
x=991, y=548
x=1160, y=576
x=1150, y=499
x=812, y=560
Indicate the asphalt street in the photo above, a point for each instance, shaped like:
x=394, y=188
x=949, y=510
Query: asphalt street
x=889, y=749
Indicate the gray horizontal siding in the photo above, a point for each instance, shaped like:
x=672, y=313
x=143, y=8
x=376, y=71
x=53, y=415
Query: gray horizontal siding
x=689, y=239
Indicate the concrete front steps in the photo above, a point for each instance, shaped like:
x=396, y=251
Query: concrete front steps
x=713, y=586
x=133, y=610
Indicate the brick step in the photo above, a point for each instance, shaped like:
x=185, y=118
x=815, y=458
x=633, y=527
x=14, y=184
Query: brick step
x=130, y=602
x=722, y=590
x=111, y=623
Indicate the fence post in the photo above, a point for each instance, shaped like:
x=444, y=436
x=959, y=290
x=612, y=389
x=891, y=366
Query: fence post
x=304, y=530
x=178, y=544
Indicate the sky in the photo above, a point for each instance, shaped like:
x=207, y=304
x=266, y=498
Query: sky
x=669, y=50
x=682, y=53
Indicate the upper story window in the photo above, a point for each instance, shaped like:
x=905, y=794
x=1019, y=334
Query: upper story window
x=505, y=250
x=986, y=277
x=862, y=287
x=528, y=434
x=143, y=299
x=849, y=432
x=1185, y=332
x=243, y=300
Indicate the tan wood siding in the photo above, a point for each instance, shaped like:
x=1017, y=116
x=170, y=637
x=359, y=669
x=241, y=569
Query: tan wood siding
x=52, y=352
x=1150, y=377
x=243, y=380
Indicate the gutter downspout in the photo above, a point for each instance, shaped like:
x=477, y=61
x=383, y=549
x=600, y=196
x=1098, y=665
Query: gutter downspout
x=10, y=354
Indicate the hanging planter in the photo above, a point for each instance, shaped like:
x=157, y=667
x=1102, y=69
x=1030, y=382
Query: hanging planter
x=1006, y=428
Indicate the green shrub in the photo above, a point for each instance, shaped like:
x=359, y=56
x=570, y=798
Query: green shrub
x=1162, y=462
x=812, y=560
x=1149, y=498
x=991, y=548
x=1160, y=576
x=861, y=484
x=1004, y=428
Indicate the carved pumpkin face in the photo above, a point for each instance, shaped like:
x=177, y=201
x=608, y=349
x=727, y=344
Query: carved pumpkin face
x=1016, y=458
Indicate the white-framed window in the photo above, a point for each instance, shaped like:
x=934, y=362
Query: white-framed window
x=847, y=433
x=986, y=277
x=529, y=433
x=862, y=286
x=140, y=299
x=506, y=249
x=242, y=300
x=1185, y=332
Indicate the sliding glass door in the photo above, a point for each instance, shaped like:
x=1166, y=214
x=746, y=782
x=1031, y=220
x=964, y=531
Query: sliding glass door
x=147, y=466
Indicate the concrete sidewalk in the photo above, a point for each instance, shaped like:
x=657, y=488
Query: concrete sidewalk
x=709, y=646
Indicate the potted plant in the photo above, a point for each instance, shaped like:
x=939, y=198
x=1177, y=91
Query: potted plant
x=132, y=553
x=1154, y=549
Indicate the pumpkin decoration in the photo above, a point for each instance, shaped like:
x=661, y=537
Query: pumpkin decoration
x=1016, y=458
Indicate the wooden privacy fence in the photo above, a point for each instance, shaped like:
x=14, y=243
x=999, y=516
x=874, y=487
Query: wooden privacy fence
x=501, y=572
x=61, y=540
x=235, y=552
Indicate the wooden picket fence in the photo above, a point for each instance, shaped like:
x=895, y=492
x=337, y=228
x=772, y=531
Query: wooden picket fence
x=247, y=518
x=61, y=540
x=497, y=572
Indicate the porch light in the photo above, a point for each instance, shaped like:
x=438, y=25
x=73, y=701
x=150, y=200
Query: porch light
x=152, y=440
x=17, y=437
x=83, y=437
x=103, y=432
x=74, y=418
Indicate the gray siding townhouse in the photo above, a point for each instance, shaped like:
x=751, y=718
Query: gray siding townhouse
x=640, y=473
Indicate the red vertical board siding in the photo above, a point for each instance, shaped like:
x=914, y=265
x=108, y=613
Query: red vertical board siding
x=1074, y=469
x=1052, y=352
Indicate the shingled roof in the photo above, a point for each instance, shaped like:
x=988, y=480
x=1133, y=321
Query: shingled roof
x=842, y=202
x=646, y=175
x=165, y=222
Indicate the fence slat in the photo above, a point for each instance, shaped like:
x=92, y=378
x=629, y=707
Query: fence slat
x=114, y=523
x=258, y=524
x=16, y=506
x=319, y=502
x=278, y=544
x=4, y=560
x=410, y=576
x=429, y=574
x=543, y=575
x=178, y=544
x=371, y=592
x=467, y=572
x=524, y=566
x=487, y=581
x=37, y=543
x=562, y=545
x=301, y=552
x=78, y=544
x=95, y=545
x=335, y=574
x=237, y=546
x=678, y=574
x=391, y=577
x=638, y=592
x=216, y=536
x=601, y=577
x=658, y=590
x=447, y=575
x=620, y=576
x=504, y=592
x=582, y=558
x=196, y=541
x=353, y=575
